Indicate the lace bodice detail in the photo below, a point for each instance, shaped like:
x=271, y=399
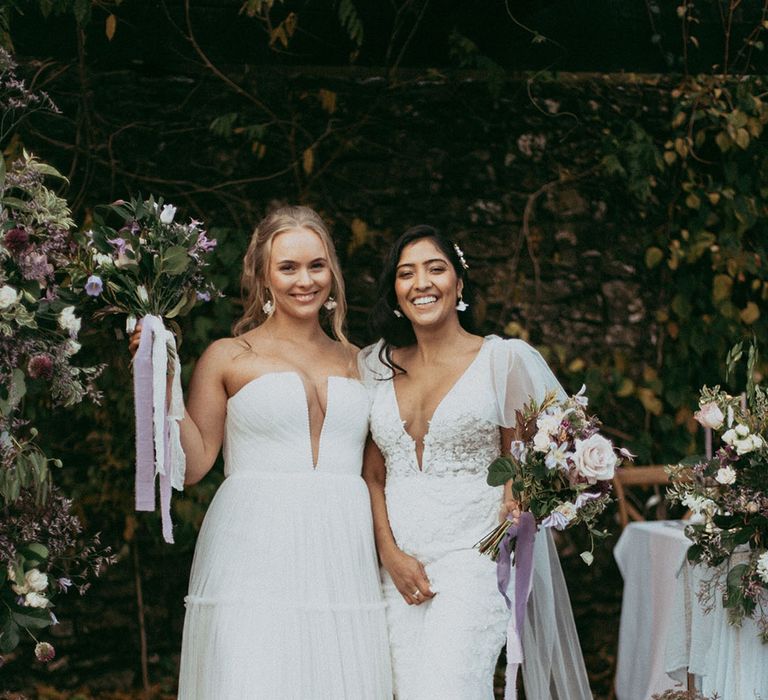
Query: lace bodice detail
x=447, y=504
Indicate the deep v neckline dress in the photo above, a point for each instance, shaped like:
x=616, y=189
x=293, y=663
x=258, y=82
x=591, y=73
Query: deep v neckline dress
x=447, y=647
x=284, y=597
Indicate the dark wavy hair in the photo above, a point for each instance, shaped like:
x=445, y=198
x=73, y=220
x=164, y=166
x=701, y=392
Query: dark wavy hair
x=397, y=332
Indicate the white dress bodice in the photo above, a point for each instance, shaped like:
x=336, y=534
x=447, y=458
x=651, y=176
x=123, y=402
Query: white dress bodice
x=445, y=504
x=267, y=428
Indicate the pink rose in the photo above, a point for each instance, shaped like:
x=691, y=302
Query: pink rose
x=710, y=416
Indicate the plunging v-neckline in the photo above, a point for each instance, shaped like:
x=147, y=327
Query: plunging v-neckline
x=314, y=455
x=423, y=440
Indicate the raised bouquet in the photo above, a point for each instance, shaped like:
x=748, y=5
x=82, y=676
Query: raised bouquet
x=560, y=467
x=152, y=267
x=728, y=493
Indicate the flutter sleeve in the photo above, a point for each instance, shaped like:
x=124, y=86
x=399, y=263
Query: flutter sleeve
x=553, y=666
x=370, y=368
x=518, y=374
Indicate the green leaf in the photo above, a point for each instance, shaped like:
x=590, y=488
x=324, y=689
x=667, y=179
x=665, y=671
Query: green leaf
x=175, y=260
x=9, y=635
x=35, y=552
x=734, y=595
x=32, y=618
x=500, y=471
x=694, y=553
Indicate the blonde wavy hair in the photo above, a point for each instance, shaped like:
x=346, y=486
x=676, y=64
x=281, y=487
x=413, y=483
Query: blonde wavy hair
x=253, y=282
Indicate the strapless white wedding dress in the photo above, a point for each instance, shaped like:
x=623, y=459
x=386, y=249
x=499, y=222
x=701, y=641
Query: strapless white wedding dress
x=284, y=597
x=448, y=646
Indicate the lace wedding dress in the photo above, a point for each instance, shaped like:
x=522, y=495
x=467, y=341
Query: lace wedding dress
x=284, y=597
x=448, y=646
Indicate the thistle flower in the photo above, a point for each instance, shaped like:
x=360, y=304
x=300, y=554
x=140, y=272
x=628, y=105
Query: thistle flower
x=16, y=240
x=40, y=366
x=44, y=652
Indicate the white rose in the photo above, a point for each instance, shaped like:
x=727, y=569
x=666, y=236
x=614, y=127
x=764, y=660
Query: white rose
x=595, y=459
x=541, y=442
x=726, y=475
x=36, y=580
x=69, y=322
x=730, y=436
x=169, y=211
x=710, y=416
x=35, y=600
x=762, y=567
x=8, y=296
x=742, y=430
x=568, y=509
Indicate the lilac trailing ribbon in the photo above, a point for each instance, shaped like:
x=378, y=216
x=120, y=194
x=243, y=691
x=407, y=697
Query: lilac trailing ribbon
x=158, y=443
x=524, y=532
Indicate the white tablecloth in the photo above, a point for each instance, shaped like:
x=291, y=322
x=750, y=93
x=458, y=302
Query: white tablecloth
x=649, y=555
x=729, y=660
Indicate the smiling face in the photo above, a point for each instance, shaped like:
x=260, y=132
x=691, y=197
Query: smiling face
x=299, y=275
x=426, y=285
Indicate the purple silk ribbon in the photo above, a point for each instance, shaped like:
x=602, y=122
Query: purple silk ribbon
x=524, y=533
x=145, y=403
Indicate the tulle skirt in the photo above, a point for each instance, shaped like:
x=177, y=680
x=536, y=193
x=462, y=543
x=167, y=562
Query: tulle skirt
x=284, y=598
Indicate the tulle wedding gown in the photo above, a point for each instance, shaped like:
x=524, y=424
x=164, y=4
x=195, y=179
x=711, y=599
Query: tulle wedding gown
x=284, y=597
x=447, y=647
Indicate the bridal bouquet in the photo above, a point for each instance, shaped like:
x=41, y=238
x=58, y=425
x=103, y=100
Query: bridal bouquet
x=561, y=470
x=560, y=466
x=150, y=267
x=728, y=494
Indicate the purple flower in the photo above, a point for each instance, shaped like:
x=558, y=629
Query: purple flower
x=40, y=366
x=16, y=240
x=203, y=296
x=94, y=286
x=555, y=519
x=204, y=243
x=118, y=244
x=64, y=583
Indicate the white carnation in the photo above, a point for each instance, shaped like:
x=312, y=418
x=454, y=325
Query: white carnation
x=69, y=322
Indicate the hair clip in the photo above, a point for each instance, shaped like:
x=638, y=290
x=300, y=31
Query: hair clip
x=460, y=253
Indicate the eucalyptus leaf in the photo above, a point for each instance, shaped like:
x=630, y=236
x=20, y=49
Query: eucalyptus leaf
x=32, y=618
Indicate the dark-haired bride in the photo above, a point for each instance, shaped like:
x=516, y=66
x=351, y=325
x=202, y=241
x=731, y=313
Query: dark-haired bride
x=443, y=402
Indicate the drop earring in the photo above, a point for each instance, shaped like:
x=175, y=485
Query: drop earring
x=268, y=307
x=330, y=304
x=398, y=313
x=462, y=305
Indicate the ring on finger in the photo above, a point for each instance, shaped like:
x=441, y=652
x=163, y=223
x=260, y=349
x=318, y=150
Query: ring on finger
x=416, y=593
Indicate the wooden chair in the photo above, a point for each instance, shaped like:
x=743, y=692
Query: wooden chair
x=639, y=477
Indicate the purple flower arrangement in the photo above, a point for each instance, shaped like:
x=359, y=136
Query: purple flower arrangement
x=727, y=491
x=138, y=259
x=560, y=468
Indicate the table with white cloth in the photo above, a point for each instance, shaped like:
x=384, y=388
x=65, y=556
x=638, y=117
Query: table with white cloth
x=649, y=555
x=727, y=660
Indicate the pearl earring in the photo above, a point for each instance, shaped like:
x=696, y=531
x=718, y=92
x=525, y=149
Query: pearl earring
x=330, y=304
x=398, y=313
x=462, y=305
